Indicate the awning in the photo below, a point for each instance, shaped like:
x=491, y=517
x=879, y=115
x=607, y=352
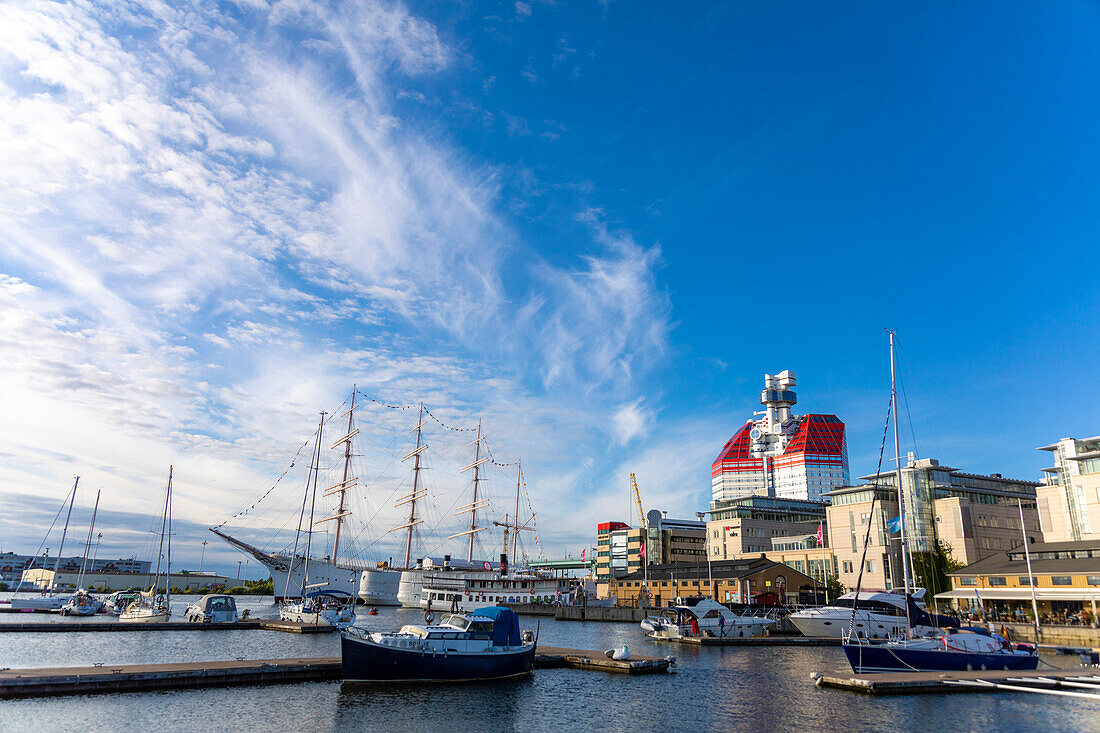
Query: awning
x=1021, y=594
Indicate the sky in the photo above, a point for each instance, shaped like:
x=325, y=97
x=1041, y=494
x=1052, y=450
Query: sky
x=593, y=225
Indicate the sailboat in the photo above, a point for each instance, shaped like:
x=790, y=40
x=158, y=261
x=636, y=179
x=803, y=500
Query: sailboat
x=963, y=649
x=150, y=606
x=47, y=601
x=82, y=602
x=333, y=572
x=335, y=607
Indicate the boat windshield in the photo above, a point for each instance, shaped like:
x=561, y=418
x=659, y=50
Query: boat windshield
x=459, y=622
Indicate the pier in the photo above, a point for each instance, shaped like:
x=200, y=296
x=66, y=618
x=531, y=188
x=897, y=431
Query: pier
x=54, y=681
x=293, y=627
x=1081, y=682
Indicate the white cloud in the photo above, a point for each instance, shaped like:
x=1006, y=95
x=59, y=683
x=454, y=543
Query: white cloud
x=209, y=230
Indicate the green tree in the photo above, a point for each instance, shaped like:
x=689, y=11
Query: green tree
x=931, y=569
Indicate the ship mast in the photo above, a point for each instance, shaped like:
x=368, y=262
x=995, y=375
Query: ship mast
x=476, y=504
x=417, y=492
x=514, y=525
x=345, y=483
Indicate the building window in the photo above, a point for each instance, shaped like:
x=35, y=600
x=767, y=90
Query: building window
x=1060, y=580
x=1094, y=580
x=1023, y=580
x=968, y=581
x=996, y=581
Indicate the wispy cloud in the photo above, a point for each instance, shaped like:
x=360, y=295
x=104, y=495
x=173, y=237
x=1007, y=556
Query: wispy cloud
x=211, y=223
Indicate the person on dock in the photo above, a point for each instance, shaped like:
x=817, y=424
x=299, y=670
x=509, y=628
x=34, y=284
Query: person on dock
x=721, y=625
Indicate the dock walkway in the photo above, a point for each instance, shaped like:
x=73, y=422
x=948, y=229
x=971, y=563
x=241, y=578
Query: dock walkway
x=1065, y=681
x=54, y=681
x=757, y=641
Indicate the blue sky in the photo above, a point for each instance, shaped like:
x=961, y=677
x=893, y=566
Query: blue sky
x=594, y=225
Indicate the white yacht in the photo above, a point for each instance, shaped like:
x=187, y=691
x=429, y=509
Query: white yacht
x=703, y=616
x=151, y=606
x=878, y=615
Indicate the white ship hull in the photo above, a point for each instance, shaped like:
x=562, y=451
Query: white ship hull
x=322, y=576
x=380, y=587
x=410, y=587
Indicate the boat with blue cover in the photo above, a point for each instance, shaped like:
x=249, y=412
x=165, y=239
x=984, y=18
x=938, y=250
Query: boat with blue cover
x=483, y=645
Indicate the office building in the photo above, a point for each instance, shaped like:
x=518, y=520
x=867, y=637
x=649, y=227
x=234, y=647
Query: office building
x=1069, y=497
x=780, y=454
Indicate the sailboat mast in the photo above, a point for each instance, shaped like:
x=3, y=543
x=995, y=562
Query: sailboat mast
x=344, y=481
x=897, y=468
x=1030, y=577
x=313, y=502
x=57, y=564
x=88, y=543
x=163, y=523
x=519, y=474
x=416, y=485
x=168, y=553
x=473, y=506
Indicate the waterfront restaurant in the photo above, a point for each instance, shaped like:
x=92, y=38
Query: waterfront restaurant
x=1066, y=580
x=747, y=580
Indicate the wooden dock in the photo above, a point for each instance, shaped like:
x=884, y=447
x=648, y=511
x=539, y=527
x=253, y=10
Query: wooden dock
x=87, y=626
x=56, y=681
x=1058, y=681
x=550, y=657
x=145, y=677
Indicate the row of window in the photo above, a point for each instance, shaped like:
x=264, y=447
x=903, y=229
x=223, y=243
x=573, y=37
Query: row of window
x=995, y=581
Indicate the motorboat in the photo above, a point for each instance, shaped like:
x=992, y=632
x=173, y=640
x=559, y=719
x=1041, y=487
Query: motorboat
x=332, y=607
x=696, y=617
x=484, y=645
x=118, y=601
x=962, y=650
x=215, y=608
x=877, y=615
x=45, y=603
x=82, y=603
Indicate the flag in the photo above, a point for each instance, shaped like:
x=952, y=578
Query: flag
x=641, y=550
x=820, y=532
x=582, y=553
x=894, y=525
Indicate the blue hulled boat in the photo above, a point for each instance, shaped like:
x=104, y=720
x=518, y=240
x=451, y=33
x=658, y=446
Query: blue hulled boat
x=964, y=650
x=483, y=645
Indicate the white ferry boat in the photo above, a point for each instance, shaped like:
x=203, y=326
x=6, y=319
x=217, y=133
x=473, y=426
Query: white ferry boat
x=464, y=593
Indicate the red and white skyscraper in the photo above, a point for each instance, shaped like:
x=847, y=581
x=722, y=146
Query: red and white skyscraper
x=782, y=455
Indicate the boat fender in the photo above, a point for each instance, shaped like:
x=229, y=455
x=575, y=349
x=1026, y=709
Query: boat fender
x=671, y=660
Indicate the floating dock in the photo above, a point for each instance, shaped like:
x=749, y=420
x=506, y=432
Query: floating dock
x=269, y=624
x=1071, y=682
x=757, y=641
x=56, y=681
x=550, y=657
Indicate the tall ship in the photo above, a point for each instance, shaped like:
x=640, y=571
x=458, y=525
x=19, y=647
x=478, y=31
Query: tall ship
x=396, y=581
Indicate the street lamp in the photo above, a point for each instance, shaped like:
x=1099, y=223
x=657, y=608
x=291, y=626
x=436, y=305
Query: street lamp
x=710, y=574
x=239, y=563
x=203, y=555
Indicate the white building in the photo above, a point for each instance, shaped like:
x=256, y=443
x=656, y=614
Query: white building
x=782, y=455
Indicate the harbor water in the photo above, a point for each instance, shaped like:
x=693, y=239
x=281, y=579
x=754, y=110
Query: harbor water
x=713, y=688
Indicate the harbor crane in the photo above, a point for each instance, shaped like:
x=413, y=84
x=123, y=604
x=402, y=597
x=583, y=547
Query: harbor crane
x=637, y=500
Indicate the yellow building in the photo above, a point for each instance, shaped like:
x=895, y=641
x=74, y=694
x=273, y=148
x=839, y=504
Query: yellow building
x=748, y=580
x=1066, y=580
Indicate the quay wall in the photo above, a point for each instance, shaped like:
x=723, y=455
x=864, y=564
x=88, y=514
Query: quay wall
x=1056, y=635
x=580, y=613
